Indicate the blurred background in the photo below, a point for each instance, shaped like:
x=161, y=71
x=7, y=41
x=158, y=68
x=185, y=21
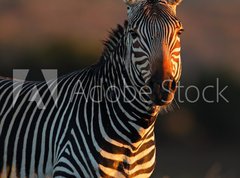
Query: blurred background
x=196, y=139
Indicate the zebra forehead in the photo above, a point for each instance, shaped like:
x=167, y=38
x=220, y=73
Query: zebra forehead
x=152, y=11
x=153, y=7
x=172, y=2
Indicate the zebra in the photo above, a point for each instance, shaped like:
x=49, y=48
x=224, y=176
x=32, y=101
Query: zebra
x=102, y=124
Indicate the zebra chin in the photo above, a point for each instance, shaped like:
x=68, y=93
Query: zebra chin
x=163, y=99
x=163, y=92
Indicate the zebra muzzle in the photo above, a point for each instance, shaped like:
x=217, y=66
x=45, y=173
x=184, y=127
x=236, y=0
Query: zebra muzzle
x=163, y=92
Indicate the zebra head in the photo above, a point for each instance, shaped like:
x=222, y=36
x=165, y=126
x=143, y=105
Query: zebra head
x=154, y=45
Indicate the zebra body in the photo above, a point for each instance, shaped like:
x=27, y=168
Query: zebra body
x=91, y=130
x=72, y=130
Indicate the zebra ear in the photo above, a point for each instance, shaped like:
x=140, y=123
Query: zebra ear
x=130, y=4
x=174, y=4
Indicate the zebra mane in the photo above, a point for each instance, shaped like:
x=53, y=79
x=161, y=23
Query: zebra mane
x=113, y=40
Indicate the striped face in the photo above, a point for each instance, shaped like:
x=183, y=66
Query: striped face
x=154, y=32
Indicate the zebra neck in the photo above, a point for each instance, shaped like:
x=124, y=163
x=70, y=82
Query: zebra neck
x=118, y=70
x=121, y=105
x=121, y=108
x=116, y=52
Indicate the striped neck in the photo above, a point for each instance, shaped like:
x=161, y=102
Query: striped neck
x=115, y=68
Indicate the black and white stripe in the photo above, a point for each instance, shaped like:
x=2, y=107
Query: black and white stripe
x=76, y=136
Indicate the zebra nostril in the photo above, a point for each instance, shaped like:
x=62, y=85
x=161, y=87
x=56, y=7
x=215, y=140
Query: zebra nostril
x=173, y=85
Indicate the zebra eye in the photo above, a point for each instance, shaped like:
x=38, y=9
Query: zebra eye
x=133, y=33
x=180, y=31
